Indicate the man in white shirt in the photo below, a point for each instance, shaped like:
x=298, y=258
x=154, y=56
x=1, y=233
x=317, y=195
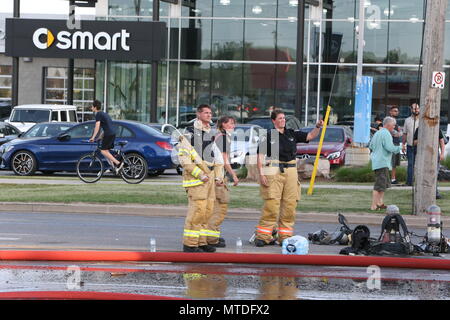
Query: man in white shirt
x=411, y=124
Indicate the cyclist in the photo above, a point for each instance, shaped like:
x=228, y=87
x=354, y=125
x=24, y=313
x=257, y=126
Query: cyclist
x=103, y=121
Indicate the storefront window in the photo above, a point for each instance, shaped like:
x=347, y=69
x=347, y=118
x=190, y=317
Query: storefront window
x=55, y=88
x=212, y=61
x=128, y=90
x=5, y=83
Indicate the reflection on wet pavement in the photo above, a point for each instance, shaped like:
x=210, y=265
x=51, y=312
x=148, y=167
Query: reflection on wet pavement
x=227, y=281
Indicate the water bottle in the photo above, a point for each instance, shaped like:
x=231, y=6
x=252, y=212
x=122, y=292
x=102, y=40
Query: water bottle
x=238, y=245
x=152, y=245
x=295, y=245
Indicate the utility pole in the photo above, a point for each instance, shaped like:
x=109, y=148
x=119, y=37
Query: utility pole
x=430, y=107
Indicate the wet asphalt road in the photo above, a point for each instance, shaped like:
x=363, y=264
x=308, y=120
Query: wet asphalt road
x=127, y=232
x=189, y=280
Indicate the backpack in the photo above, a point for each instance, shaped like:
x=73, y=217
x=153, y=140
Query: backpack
x=394, y=237
x=340, y=236
x=360, y=239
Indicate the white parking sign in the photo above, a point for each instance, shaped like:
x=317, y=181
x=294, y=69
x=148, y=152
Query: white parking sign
x=438, y=79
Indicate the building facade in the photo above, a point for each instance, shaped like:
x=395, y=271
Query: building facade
x=239, y=56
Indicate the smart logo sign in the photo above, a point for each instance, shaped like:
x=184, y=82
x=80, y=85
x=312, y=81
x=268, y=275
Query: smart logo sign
x=109, y=40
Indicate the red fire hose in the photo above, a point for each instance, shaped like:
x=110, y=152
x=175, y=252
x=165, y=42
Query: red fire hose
x=244, y=258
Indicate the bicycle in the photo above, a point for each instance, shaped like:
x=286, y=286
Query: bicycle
x=90, y=167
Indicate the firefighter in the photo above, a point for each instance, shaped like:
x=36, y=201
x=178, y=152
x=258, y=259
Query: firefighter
x=225, y=126
x=279, y=185
x=196, y=155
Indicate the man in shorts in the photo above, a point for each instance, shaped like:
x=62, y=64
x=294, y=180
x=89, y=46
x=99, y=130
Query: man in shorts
x=382, y=148
x=103, y=121
x=396, y=139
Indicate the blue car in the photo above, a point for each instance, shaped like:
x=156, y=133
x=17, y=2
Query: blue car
x=60, y=153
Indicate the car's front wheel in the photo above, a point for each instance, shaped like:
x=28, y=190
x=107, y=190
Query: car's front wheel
x=23, y=163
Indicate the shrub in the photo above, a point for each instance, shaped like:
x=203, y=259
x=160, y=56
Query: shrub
x=446, y=162
x=364, y=174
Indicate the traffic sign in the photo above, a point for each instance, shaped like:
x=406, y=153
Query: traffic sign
x=438, y=79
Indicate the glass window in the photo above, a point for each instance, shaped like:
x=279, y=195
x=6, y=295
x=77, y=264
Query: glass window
x=129, y=90
x=447, y=45
x=375, y=48
x=55, y=116
x=227, y=39
x=56, y=86
x=201, y=9
x=5, y=82
x=260, y=9
x=286, y=40
x=339, y=41
x=403, y=49
x=72, y=116
x=130, y=7
x=30, y=115
x=123, y=132
x=289, y=9
x=259, y=89
x=82, y=131
x=12, y=130
x=226, y=90
x=260, y=40
x=228, y=8
x=380, y=98
x=345, y=9
x=64, y=116
x=404, y=9
x=195, y=39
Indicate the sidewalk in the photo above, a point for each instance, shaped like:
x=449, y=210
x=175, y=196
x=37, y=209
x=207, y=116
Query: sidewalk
x=180, y=211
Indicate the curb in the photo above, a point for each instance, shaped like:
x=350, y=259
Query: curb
x=180, y=211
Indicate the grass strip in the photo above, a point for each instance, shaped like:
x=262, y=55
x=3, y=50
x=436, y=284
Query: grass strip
x=322, y=200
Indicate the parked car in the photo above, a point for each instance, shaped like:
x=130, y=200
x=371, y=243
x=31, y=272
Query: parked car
x=166, y=128
x=61, y=152
x=244, y=142
x=8, y=132
x=46, y=129
x=336, y=140
x=24, y=117
x=265, y=122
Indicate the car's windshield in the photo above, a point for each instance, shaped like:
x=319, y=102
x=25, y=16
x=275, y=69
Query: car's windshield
x=27, y=115
x=331, y=135
x=48, y=130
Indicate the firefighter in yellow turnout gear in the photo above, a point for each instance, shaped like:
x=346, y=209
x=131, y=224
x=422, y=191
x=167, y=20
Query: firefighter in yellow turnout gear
x=196, y=155
x=279, y=186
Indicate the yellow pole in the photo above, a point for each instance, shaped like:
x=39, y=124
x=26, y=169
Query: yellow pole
x=319, y=149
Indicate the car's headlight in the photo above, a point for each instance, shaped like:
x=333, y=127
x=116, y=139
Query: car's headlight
x=334, y=155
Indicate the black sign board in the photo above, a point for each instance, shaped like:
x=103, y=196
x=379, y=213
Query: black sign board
x=101, y=40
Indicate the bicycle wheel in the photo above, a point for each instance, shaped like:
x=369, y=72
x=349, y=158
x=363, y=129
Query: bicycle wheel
x=89, y=168
x=135, y=168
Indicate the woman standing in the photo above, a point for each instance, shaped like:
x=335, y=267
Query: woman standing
x=280, y=189
x=225, y=127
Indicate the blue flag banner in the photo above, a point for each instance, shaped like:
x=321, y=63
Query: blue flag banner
x=363, y=109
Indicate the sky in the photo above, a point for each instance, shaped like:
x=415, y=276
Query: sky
x=42, y=7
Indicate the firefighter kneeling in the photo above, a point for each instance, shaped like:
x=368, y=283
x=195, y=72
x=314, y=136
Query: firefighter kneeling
x=279, y=186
